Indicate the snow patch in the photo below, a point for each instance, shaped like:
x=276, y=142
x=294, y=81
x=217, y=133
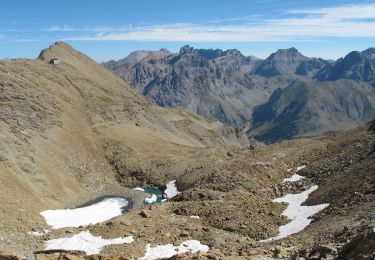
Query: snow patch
x=151, y=199
x=169, y=250
x=300, y=168
x=171, y=190
x=293, y=178
x=95, y=213
x=196, y=217
x=85, y=241
x=299, y=215
x=39, y=233
x=139, y=189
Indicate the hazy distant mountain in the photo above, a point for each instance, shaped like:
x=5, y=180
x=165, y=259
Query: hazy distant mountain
x=308, y=108
x=226, y=86
x=356, y=66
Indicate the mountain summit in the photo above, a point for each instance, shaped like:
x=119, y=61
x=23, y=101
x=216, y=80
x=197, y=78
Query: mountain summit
x=283, y=61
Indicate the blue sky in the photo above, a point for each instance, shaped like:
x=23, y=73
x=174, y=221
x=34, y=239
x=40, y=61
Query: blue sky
x=110, y=29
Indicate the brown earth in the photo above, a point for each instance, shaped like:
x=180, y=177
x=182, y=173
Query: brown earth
x=73, y=132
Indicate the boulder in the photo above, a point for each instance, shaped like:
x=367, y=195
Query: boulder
x=144, y=214
x=9, y=256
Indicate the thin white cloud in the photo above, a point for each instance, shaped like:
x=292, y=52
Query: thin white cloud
x=57, y=28
x=249, y=18
x=26, y=40
x=301, y=25
x=2, y=36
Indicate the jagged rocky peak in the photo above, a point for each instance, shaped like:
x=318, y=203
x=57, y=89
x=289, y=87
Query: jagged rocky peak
x=353, y=57
x=187, y=49
x=282, y=62
x=234, y=52
x=290, y=54
x=369, y=53
x=164, y=50
x=209, y=54
x=355, y=65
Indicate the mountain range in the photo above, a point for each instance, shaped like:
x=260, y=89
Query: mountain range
x=73, y=135
x=287, y=93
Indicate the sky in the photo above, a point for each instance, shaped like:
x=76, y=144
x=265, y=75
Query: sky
x=111, y=29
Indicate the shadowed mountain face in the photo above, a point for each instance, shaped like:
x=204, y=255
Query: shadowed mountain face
x=356, y=66
x=309, y=108
x=227, y=86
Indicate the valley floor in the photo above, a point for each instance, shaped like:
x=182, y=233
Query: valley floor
x=232, y=195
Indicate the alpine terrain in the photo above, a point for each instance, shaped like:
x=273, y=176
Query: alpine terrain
x=91, y=169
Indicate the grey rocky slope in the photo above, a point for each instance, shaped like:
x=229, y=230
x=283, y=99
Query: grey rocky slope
x=308, y=108
x=356, y=66
x=228, y=86
x=213, y=83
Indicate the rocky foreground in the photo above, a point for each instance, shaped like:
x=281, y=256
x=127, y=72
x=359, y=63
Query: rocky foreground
x=73, y=132
x=232, y=197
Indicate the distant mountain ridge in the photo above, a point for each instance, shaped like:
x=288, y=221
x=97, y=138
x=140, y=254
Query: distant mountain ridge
x=307, y=108
x=356, y=66
x=228, y=86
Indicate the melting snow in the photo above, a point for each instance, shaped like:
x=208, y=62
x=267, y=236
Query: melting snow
x=171, y=190
x=39, y=233
x=293, y=178
x=300, y=168
x=85, y=241
x=169, y=250
x=299, y=215
x=95, y=213
x=151, y=199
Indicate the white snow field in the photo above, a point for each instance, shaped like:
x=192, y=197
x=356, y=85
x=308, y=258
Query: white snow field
x=293, y=178
x=299, y=215
x=85, y=241
x=171, y=190
x=169, y=250
x=99, y=212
